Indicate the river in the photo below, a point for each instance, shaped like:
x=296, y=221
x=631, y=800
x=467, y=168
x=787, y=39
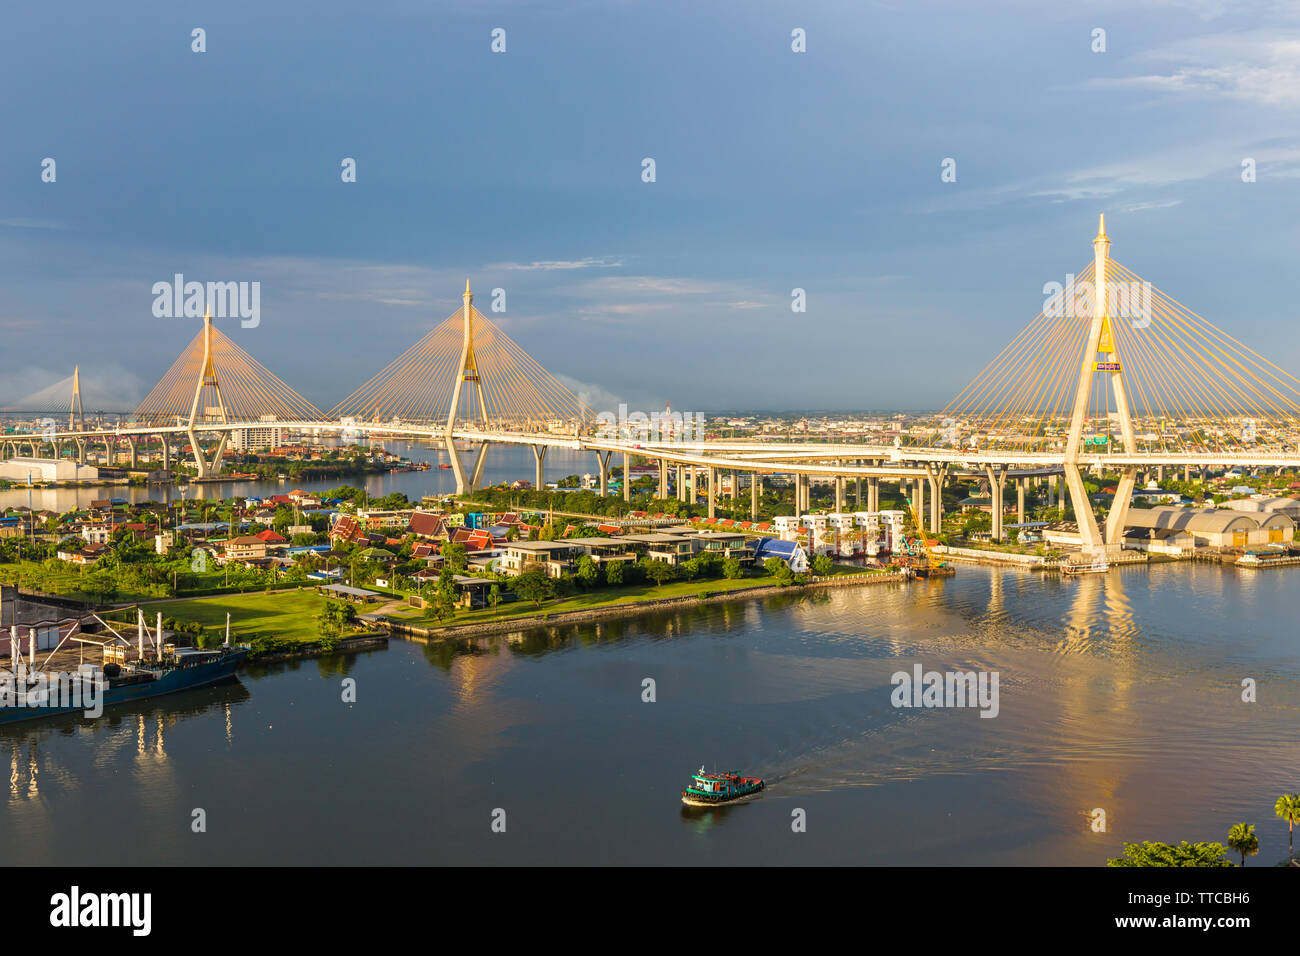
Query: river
x=1118, y=692
x=504, y=463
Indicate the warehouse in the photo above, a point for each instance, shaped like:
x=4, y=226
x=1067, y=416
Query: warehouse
x=46, y=469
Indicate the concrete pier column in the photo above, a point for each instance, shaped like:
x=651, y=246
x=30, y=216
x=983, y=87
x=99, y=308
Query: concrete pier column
x=712, y=490
x=1187, y=473
x=857, y=492
x=800, y=483
x=130, y=444
x=733, y=484
x=1020, y=500
x=873, y=494
x=539, y=458
x=839, y=493
x=602, y=463
x=918, y=501
x=753, y=496
x=681, y=482
x=663, y=479
x=166, y=454
x=937, y=479
x=997, y=487
x=627, y=477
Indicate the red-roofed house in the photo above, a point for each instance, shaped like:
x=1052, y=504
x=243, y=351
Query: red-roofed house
x=346, y=529
x=426, y=524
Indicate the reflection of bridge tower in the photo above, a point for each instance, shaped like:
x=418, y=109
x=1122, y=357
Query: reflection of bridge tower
x=467, y=371
x=207, y=379
x=1100, y=355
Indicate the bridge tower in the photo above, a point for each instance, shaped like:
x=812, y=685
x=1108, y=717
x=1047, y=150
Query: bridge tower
x=75, y=413
x=207, y=379
x=467, y=372
x=1100, y=354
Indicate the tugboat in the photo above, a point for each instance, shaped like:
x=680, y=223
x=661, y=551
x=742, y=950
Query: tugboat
x=714, y=789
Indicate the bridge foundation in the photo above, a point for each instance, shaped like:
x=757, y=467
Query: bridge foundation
x=627, y=477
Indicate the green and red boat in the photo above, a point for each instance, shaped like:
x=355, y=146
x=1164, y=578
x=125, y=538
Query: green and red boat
x=714, y=789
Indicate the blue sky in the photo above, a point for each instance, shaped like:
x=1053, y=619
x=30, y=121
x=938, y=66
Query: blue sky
x=522, y=170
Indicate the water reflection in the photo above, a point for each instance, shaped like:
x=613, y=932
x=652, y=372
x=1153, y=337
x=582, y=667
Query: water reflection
x=1117, y=691
x=125, y=735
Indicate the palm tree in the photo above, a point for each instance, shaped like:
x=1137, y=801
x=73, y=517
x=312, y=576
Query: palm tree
x=1288, y=808
x=1242, y=839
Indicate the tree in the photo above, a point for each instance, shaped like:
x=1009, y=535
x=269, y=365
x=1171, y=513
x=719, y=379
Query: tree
x=1288, y=808
x=1242, y=839
x=444, y=601
x=614, y=572
x=494, y=595
x=454, y=556
x=534, y=585
x=731, y=568
x=659, y=571
x=1166, y=854
x=587, y=572
x=334, y=617
x=822, y=565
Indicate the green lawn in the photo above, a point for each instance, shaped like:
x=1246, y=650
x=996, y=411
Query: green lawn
x=288, y=615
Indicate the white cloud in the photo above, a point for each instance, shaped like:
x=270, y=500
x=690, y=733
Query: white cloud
x=556, y=265
x=1257, y=66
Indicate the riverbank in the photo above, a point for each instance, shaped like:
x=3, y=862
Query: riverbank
x=373, y=640
x=1037, y=562
x=542, y=618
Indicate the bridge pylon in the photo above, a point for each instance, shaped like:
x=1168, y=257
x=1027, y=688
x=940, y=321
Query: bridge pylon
x=75, y=413
x=1100, y=354
x=467, y=373
x=207, y=379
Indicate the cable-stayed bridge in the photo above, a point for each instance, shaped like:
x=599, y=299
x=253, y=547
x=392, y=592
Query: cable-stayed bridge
x=1113, y=374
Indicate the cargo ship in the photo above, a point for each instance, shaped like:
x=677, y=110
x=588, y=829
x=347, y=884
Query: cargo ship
x=31, y=692
x=715, y=789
